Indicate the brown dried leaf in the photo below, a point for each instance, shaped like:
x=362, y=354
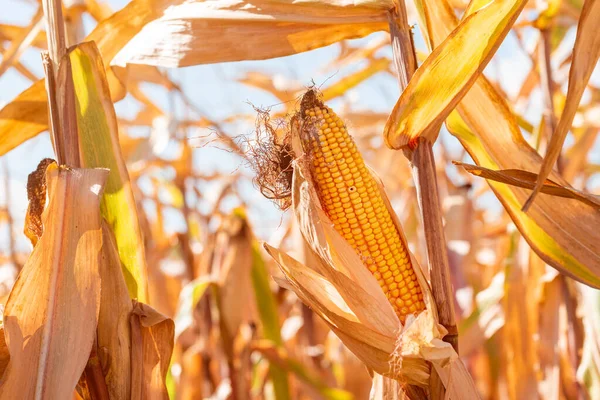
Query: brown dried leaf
x=527, y=180
x=152, y=340
x=114, y=330
x=51, y=314
x=4, y=354
x=585, y=57
x=185, y=34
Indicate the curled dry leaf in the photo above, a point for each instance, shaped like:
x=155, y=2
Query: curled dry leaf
x=152, y=340
x=527, y=180
x=559, y=230
x=585, y=58
x=27, y=115
x=52, y=312
x=449, y=72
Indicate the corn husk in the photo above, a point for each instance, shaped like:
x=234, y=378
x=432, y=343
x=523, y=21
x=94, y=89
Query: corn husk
x=344, y=293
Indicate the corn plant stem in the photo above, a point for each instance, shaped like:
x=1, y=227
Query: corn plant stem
x=437, y=254
x=405, y=60
x=59, y=86
x=426, y=182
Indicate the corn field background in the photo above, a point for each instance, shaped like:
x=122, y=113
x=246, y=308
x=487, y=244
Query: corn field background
x=169, y=229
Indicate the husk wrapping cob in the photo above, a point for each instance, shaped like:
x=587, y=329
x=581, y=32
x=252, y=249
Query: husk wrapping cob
x=349, y=285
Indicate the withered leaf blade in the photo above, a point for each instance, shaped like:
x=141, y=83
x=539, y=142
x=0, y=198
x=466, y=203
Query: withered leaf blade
x=52, y=312
x=4, y=354
x=185, y=34
x=152, y=341
x=114, y=329
x=449, y=72
x=559, y=230
x=527, y=180
x=585, y=58
x=99, y=148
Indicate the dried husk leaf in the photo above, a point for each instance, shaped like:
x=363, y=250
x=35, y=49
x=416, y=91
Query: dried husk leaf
x=449, y=72
x=52, y=312
x=344, y=293
x=152, y=344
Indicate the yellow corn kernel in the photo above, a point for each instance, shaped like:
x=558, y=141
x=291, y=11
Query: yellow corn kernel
x=376, y=238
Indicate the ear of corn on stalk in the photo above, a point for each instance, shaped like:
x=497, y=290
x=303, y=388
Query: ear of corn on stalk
x=350, y=196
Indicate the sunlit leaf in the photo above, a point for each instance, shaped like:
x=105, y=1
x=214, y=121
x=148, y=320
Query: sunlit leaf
x=559, y=230
x=527, y=180
x=449, y=72
x=99, y=147
x=185, y=34
x=585, y=57
x=51, y=315
x=152, y=341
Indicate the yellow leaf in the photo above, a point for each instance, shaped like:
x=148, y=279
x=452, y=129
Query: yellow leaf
x=559, y=230
x=51, y=315
x=449, y=72
x=99, y=147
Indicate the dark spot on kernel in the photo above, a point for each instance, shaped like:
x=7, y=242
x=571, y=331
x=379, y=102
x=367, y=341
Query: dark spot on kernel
x=352, y=189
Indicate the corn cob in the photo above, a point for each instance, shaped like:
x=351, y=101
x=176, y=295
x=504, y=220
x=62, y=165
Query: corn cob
x=350, y=196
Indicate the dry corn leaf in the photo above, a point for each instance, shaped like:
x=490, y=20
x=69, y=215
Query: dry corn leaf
x=4, y=354
x=527, y=180
x=268, y=312
x=12, y=32
x=585, y=57
x=233, y=263
x=559, y=230
x=191, y=383
x=20, y=43
x=185, y=34
x=114, y=331
x=348, y=82
x=51, y=315
x=278, y=356
x=520, y=312
x=27, y=115
x=589, y=370
x=99, y=147
x=449, y=72
x=152, y=340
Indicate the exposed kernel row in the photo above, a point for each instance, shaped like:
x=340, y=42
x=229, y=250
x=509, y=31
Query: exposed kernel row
x=350, y=196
